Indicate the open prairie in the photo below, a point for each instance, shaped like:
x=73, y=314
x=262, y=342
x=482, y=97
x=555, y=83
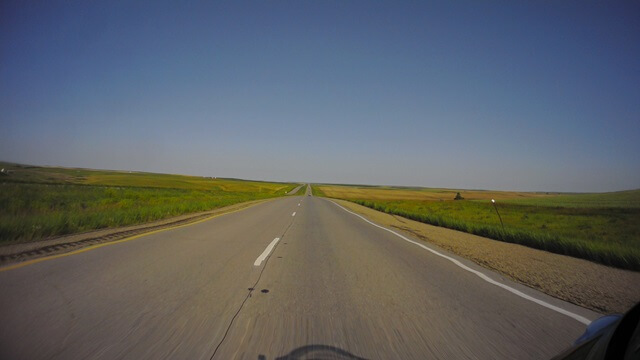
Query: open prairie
x=39, y=202
x=602, y=227
x=409, y=193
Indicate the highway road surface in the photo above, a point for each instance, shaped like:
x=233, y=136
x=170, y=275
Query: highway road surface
x=295, y=190
x=292, y=278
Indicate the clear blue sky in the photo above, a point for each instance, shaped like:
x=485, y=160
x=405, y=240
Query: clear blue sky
x=535, y=95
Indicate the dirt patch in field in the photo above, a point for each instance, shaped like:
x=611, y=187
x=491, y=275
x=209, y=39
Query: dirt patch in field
x=581, y=282
x=19, y=252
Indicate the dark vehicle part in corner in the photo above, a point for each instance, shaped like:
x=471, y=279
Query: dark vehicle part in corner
x=611, y=337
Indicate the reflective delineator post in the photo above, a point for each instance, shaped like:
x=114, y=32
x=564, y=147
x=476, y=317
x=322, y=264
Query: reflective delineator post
x=499, y=217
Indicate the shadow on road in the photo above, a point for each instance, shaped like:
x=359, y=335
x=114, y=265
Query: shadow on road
x=317, y=352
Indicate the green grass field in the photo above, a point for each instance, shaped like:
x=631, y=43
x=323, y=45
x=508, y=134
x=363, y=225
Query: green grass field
x=40, y=202
x=621, y=199
x=301, y=191
x=600, y=227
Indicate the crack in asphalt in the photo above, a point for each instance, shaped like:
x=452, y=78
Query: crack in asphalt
x=251, y=289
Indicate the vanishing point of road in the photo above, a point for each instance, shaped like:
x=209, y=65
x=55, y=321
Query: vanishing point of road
x=290, y=278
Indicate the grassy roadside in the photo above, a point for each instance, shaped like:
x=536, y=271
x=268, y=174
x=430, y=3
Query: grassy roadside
x=316, y=191
x=585, y=229
x=585, y=283
x=40, y=202
x=301, y=191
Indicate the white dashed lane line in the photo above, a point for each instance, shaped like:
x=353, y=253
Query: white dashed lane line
x=266, y=252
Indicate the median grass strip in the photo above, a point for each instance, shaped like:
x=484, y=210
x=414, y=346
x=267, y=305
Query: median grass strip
x=40, y=202
x=604, y=228
x=301, y=191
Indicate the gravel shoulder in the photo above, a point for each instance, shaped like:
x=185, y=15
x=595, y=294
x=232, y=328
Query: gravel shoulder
x=597, y=287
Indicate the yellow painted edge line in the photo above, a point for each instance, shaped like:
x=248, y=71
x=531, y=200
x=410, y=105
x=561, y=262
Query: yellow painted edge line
x=93, y=247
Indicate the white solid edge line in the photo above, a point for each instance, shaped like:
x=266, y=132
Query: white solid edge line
x=294, y=214
x=479, y=274
x=266, y=252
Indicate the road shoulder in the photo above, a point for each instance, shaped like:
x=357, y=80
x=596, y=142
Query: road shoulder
x=597, y=287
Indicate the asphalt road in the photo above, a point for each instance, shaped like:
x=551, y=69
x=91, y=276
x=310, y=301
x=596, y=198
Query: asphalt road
x=333, y=286
x=294, y=190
